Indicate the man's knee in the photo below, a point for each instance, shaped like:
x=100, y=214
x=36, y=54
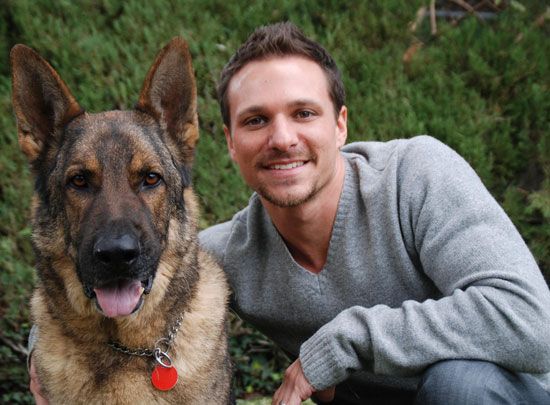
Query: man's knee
x=477, y=382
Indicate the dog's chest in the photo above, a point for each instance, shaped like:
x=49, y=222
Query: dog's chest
x=90, y=376
x=125, y=385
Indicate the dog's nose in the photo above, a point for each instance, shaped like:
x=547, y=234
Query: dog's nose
x=117, y=249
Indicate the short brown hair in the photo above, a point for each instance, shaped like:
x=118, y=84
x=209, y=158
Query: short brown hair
x=280, y=39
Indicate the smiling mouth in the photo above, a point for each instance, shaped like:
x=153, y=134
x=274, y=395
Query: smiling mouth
x=120, y=297
x=286, y=166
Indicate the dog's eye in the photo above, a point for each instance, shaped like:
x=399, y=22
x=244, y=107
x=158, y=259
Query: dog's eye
x=151, y=179
x=79, y=181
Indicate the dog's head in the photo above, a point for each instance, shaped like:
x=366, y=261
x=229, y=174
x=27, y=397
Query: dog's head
x=109, y=186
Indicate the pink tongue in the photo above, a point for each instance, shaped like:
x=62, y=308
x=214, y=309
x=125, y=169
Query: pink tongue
x=119, y=299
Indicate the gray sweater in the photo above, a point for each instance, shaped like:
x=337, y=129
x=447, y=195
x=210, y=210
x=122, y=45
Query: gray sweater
x=423, y=265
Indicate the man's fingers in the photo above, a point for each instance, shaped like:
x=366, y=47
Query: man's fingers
x=295, y=387
x=283, y=396
x=291, y=401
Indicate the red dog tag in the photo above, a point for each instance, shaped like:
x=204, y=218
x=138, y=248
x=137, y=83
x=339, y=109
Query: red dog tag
x=164, y=378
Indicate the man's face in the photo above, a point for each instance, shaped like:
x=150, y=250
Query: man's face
x=283, y=133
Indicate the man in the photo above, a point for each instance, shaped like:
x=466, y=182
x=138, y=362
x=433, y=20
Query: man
x=386, y=269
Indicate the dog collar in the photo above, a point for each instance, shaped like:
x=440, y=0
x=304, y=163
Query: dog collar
x=164, y=376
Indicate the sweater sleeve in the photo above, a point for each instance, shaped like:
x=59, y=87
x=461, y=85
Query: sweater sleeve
x=495, y=302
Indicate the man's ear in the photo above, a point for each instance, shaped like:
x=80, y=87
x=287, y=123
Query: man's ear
x=342, y=127
x=41, y=101
x=229, y=141
x=169, y=95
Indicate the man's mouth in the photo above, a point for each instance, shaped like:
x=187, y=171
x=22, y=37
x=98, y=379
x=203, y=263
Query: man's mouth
x=120, y=297
x=286, y=166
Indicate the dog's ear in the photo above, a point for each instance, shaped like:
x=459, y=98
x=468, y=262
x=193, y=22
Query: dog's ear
x=169, y=95
x=42, y=102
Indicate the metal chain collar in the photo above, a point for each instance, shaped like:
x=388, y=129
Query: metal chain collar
x=160, y=355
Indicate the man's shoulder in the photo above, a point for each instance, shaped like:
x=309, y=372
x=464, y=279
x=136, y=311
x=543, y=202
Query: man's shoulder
x=215, y=239
x=378, y=151
x=416, y=156
x=410, y=164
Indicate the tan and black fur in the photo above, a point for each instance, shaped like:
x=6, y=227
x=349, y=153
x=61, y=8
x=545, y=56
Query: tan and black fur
x=113, y=203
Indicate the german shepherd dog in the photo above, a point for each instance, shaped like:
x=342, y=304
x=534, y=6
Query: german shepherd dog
x=128, y=308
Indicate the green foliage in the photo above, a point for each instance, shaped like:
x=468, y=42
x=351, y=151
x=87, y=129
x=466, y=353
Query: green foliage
x=257, y=367
x=481, y=87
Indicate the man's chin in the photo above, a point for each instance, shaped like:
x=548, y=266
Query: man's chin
x=286, y=198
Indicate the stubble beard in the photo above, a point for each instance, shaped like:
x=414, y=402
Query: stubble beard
x=289, y=200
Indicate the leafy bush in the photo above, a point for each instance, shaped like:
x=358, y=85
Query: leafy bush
x=481, y=87
x=258, y=368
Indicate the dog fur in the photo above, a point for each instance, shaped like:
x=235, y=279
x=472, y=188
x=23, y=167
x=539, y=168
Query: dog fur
x=119, y=176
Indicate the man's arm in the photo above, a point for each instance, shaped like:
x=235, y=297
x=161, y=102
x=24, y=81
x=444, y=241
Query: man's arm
x=495, y=304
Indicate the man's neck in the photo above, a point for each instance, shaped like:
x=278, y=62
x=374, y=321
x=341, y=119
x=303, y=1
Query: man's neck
x=307, y=228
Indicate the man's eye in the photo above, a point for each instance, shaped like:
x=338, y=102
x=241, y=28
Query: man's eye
x=305, y=114
x=254, y=121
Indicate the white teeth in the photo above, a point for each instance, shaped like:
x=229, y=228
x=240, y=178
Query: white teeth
x=287, y=166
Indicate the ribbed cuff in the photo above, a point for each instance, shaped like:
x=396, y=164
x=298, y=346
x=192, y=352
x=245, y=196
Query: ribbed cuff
x=319, y=361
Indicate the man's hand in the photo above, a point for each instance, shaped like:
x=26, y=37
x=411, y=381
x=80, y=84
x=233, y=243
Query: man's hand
x=35, y=386
x=296, y=388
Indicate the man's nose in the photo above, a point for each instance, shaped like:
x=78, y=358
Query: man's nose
x=282, y=135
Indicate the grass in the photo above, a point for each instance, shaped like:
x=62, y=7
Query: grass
x=481, y=87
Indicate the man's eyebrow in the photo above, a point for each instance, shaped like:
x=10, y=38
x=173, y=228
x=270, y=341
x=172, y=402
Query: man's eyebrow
x=303, y=102
x=258, y=109
x=252, y=110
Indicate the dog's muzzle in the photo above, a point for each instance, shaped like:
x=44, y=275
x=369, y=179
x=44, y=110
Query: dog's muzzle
x=119, y=285
x=117, y=251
